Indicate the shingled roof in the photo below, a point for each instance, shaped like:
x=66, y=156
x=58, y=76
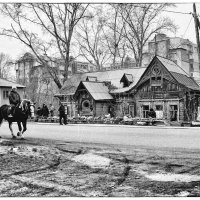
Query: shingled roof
x=179, y=74
x=97, y=90
x=113, y=76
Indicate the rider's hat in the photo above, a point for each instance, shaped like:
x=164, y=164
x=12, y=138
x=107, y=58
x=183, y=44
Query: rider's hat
x=14, y=86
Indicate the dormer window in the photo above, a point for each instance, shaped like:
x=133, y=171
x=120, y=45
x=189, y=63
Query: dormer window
x=126, y=79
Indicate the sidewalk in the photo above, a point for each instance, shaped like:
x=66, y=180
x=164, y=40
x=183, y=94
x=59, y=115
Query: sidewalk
x=119, y=125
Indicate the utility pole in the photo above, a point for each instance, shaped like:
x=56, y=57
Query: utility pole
x=197, y=31
x=155, y=46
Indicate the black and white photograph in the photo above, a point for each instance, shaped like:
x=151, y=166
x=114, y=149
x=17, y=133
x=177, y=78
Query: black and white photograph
x=99, y=99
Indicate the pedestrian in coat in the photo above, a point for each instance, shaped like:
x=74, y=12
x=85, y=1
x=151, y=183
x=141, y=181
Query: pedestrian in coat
x=39, y=112
x=45, y=111
x=152, y=113
x=62, y=115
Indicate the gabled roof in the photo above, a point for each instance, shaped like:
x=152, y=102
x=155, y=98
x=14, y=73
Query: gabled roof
x=171, y=66
x=186, y=81
x=97, y=90
x=6, y=83
x=179, y=74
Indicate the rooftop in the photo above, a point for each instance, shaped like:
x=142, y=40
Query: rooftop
x=6, y=83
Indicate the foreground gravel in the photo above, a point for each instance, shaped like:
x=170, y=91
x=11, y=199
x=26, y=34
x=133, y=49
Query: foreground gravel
x=45, y=168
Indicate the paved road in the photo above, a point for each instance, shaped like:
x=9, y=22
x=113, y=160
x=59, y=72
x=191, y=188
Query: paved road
x=188, y=137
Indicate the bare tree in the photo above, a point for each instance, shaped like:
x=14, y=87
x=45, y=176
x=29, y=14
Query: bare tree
x=91, y=39
x=6, y=64
x=47, y=29
x=114, y=34
x=141, y=22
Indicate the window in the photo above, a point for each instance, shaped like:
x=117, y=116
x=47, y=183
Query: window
x=145, y=110
x=156, y=88
x=159, y=107
x=159, y=78
x=5, y=94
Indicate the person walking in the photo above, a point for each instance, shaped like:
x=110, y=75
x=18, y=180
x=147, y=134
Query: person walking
x=14, y=99
x=62, y=115
x=45, y=111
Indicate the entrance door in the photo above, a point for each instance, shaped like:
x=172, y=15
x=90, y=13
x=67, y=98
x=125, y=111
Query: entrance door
x=173, y=113
x=131, y=110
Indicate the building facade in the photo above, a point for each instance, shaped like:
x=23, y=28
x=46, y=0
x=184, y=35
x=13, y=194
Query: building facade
x=168, y=90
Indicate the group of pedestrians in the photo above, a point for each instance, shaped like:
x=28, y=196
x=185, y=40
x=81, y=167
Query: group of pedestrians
x=45, y=112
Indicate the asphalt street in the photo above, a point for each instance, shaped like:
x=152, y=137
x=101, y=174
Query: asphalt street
x=154, y=136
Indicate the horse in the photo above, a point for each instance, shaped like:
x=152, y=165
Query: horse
x=21, y=113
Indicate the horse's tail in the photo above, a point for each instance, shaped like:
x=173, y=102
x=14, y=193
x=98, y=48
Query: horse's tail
x=1, y=116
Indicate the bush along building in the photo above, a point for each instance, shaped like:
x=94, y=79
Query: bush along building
x=162, y=86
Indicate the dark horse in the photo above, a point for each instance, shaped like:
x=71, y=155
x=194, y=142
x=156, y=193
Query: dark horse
x=21, y=113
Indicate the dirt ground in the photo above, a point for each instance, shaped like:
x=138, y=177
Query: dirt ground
x=43, y=168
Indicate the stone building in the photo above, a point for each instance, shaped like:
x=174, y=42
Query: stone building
x=40, y=87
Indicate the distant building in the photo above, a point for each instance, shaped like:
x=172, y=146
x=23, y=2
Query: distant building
x=27, y=64
x=182, y=51
x=127, y=63
x=40, y=86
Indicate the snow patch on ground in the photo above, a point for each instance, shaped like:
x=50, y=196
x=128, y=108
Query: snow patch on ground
x=171, y=177
x=4, y=150
x=29, y=151
x=92, y=160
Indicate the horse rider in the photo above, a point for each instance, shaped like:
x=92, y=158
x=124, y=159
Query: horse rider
x=14, y=99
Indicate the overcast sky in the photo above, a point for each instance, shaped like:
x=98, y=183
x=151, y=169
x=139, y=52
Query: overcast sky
x=185, y=23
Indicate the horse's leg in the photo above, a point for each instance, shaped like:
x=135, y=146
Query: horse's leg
x=24, y=126
x=20, y=129
x=24, y=129
x=1, y=119
x=11, y=130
